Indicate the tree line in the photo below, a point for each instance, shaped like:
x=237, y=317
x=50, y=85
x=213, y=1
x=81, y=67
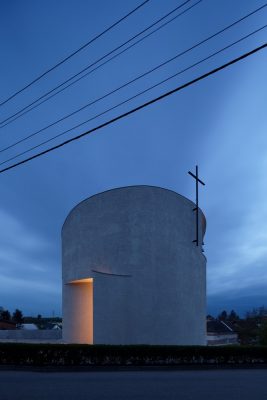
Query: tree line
x=16, y=317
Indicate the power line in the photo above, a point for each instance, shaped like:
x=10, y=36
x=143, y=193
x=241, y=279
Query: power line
x=134, y=97
x=28, y=107
x=129, y=82
x=75, y=52
x=132, y=111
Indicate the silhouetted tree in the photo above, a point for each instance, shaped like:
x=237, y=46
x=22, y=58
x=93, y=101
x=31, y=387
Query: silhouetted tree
x=257, y=312
x=233, y=316
x=248, y=331
x=222, y=316
x=263, y=334
x=262, y=311
x=6, y=315
x=17, y=316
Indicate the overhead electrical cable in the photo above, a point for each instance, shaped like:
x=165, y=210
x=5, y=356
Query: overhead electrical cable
x=133, y=97
x=124, y=85
x=75, y=52
x=191, y=48
x=28, y=107
x=138, y=108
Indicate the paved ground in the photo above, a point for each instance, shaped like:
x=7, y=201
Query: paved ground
x=184, y=385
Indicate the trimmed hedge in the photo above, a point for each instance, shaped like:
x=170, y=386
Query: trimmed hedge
x=136, y=355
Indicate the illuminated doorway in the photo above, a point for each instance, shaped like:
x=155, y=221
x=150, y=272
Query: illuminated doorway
x=78, y=311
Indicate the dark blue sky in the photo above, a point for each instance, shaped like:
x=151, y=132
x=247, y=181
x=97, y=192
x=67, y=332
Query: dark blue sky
x=219, y=123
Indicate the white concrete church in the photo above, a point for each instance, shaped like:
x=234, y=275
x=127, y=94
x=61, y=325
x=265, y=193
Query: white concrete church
x=131, y=272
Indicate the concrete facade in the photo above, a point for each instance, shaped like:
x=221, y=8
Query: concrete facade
x=131, y=273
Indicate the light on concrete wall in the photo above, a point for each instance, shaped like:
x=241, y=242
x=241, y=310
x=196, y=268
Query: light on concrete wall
x=79, y=315
x=85, y=280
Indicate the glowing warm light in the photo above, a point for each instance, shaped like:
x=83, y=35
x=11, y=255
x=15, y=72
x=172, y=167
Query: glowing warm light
x=85, y=280
x=80, y=309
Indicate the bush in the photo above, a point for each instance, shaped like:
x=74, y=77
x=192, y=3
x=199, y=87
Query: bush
x=139, y=355
x=263, y=334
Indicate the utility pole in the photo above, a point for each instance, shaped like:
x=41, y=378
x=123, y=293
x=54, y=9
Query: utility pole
x=196, y=209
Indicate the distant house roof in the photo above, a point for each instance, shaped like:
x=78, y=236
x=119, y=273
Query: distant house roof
x=220, y=333
x=52, y=325
x=7, y=325
x=217, y=326
x=29, y=327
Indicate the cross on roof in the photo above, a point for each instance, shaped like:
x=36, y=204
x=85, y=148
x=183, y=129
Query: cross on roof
x=196, y=209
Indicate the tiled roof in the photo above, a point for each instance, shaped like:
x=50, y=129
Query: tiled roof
x=217, y=326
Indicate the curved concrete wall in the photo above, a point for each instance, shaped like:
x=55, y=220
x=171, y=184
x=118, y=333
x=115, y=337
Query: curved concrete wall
x=149, y=278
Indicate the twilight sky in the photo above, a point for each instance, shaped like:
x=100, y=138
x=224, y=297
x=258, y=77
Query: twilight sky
x=219, y=123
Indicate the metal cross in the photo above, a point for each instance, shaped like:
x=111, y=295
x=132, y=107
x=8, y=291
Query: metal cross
x=196, y=209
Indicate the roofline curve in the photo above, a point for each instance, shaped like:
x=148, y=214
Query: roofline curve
x=135, y=186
